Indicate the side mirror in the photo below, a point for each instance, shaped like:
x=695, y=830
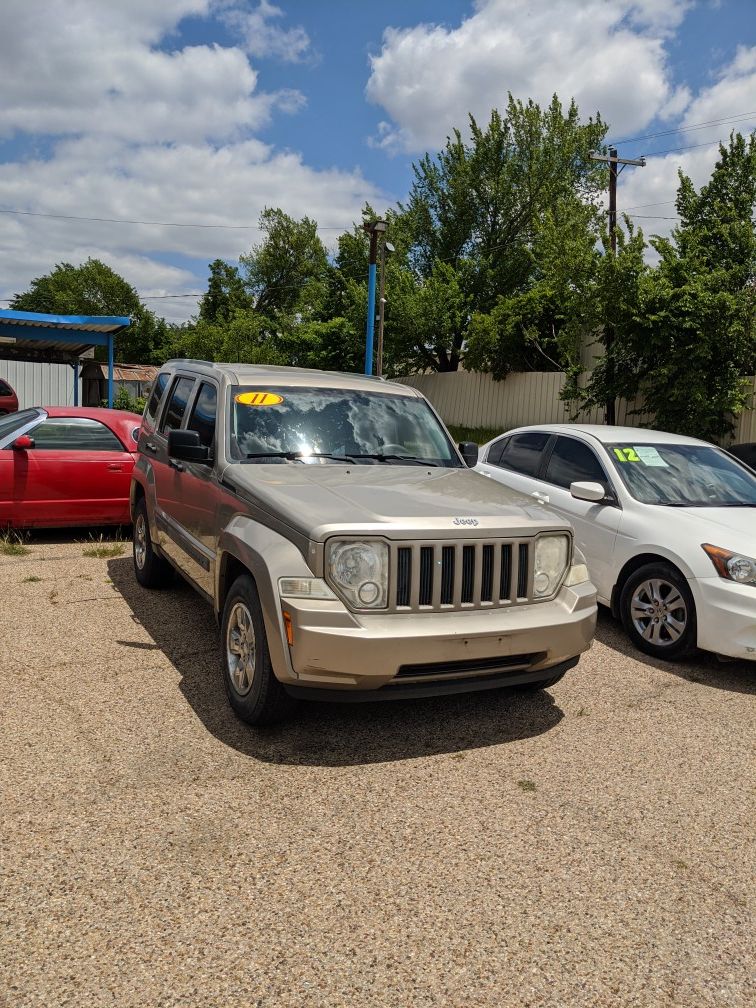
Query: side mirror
x=593, y=492
x=185, y=445
x=469, y=452
x=23, y=442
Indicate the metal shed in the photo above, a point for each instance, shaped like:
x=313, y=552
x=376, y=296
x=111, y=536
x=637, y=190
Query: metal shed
x=61, y=339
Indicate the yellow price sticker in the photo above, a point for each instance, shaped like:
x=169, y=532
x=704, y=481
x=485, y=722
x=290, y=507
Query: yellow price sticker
x=259, y=399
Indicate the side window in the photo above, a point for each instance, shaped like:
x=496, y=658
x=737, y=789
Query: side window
x=75, y=434
x=495, y=451
x=156, y=395
x=176, y=408
x=5, y=389
x=573, y=462
x=204, y=410
x=523, y=452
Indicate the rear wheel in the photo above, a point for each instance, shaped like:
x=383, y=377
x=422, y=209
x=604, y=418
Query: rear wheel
x=251, y=686
x=151, y=570
x=658, y=612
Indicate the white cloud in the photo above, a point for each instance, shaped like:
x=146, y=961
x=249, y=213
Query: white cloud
x=262, y=37
x=131, y=129
x=101, y=72
x=195, y=183
x=649, y=193
x=608, y=54
x=734, y=92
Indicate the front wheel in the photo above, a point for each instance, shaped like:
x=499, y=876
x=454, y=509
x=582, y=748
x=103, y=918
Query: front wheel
x=658, y=612
x=251, y=686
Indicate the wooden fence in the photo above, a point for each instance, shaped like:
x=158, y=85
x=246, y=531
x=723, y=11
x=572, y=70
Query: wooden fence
x=468, y=399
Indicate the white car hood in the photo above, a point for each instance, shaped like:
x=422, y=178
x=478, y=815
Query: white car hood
x=732, y=528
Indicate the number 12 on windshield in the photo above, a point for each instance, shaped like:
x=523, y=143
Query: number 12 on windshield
x=627, y=454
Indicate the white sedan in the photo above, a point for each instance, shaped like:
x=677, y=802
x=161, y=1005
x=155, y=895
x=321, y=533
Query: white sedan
x=667, y=525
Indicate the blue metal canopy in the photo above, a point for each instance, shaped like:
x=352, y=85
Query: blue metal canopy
x=33, y=336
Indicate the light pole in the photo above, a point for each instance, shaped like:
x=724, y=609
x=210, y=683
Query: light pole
x=385, y=247
x=613, y=161
x=373, y=228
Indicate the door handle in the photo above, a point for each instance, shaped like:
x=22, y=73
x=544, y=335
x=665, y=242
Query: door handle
x=150, y=447
x=540, y=497
x=115, y=467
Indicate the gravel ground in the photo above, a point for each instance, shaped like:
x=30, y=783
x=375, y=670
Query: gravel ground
x=590, y=845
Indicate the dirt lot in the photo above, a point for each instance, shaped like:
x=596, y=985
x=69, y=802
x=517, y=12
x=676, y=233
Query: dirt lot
x=588, y=846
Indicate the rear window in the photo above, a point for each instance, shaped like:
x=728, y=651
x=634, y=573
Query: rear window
x=5, y=389
x=150, y=410
x=524, y=451
x=176, y=408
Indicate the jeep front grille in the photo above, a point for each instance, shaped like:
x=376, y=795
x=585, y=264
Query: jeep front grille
x=462, y=574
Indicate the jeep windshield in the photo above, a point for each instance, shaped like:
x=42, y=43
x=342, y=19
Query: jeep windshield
x=335, y=426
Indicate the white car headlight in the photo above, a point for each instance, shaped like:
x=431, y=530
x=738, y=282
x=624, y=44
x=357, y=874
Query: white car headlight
x=552, y=553
x=359, y=570
x=731, y=566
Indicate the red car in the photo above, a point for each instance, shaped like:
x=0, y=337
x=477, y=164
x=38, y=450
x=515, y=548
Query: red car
x=66, y=466
x=8, y=398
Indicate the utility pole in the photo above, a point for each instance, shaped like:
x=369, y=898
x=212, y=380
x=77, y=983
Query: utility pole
x=373, y=228
x=385, y=247
x=613, y=160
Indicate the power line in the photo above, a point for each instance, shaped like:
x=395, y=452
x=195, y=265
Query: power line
x=123, y=220
x=686, y=129
x=674, y=150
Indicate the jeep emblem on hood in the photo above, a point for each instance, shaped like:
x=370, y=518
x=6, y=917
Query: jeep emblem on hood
x=466, y=521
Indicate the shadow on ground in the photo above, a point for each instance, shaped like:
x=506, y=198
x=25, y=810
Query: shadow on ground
x=322, y=734
x=703, y=668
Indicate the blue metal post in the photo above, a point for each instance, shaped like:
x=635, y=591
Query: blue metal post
x=76, y=382
x=110, y=372
x=370, y=321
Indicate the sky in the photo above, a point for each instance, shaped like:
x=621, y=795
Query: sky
x=176, y=122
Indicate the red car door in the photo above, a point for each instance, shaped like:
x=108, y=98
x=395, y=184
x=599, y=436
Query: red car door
x=77, y=473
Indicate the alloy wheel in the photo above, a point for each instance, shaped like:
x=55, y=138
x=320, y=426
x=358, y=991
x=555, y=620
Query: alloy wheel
x=241, y=649
x=659, y=612
x=140, y=541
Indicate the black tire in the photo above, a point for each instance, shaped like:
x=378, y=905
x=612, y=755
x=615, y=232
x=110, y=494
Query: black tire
x=658, y=612
x=254, y=693
x=151, y=570
x=540, y=684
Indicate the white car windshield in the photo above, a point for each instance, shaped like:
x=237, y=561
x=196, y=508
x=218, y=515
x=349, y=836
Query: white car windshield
x=333, y=425
x=680, y=475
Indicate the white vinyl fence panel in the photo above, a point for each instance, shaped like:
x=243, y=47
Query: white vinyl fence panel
x=468, y=399
x=38, y=384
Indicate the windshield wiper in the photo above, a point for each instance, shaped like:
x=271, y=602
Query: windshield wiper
x=297, y=456
x=710, y=503
x=401, y=458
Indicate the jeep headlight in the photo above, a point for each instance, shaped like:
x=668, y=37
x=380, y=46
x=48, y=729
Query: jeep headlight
x=359, y=569
x=551, y=556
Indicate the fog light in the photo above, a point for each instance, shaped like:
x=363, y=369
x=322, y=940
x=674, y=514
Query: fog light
x=541, y=582
x=368, y=592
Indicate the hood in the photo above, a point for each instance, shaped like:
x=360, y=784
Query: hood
x=393, y=500
x=732, y=528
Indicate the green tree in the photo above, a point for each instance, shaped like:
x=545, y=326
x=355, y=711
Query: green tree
x=95, y=289
x=473, y=217
x=286, y=273
x=685, y=337
x=225, y=293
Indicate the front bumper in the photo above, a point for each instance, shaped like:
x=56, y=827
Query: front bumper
x=335, y=649
x=726, y=615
